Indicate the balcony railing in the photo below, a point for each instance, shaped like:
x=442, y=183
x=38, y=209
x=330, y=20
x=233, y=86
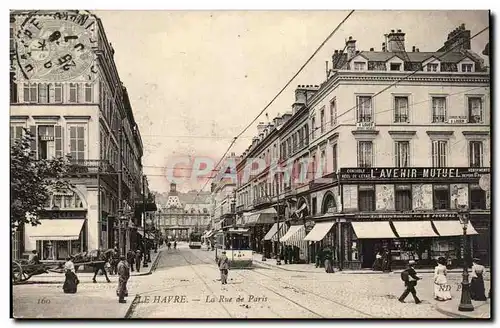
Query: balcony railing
x=90, y=166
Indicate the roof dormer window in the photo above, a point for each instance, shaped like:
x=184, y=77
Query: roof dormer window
x=395, y=67
x=359, y=66
x=432, y=67
x=467, y=68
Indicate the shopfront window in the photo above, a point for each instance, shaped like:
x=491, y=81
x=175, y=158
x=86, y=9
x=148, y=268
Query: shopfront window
x=403, y=197
x=477, y=198
x=366, y=197
x=441, y=196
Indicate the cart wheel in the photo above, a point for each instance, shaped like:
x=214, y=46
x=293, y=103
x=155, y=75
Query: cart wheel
x=17, y=272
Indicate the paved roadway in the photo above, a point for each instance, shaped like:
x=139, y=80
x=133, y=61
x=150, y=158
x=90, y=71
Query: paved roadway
x=186, y=285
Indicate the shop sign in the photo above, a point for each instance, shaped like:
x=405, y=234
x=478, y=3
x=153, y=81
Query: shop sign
x=405, y=174
x=410, y=215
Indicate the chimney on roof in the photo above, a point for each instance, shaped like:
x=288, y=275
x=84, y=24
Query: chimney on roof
x=396, y=41
x=371, y=49
x=413, y=49
x=384, y=49
x=417, y=50
x=350, y=48
x=260, y=127
x=458, y=40
x=302, y=95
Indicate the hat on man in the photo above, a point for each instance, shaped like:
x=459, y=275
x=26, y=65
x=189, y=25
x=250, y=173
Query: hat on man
x=411, y=262
x=476, y=260
x=223, y=252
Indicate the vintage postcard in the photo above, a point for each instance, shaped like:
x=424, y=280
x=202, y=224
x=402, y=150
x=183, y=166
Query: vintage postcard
x=250, y=164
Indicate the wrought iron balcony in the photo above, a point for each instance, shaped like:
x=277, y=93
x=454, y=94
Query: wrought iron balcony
x=90, y=166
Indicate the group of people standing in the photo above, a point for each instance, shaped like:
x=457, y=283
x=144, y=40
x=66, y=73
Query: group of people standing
x=382, y=261
x=290, y=254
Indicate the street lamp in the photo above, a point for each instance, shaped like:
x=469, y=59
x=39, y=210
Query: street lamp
x=465, y=300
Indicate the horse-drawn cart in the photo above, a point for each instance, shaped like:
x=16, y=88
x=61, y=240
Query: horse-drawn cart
x=22, y=270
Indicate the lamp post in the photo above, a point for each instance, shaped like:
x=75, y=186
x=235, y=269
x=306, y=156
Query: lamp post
x=147, y=256
x=465, y=300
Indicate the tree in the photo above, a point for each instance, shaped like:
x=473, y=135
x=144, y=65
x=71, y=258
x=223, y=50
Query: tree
x=32, y=182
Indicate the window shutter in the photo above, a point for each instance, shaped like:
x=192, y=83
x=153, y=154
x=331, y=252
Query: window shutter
x=26, y=92
x=434, y=153
x=396, y=154
x=33, y=142
x=51, y=92
x=442, y=154
x=480, y=154
x=58, y=140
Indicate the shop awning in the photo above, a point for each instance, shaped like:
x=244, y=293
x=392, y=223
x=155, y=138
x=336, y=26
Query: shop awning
x=319, y=231
x=409, y=229
x=261, y=217
x=210, y=233
x=453, y=228
x=373, y=230
x=236, y=230
x=295, y=229
x=57, y=229
x=140, y=232
x=207, y=234
x=270, y=234
x=282, y=232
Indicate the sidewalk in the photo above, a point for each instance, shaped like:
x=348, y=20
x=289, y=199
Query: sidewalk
x=311, y=268
x=482, y=310
x=86, y=277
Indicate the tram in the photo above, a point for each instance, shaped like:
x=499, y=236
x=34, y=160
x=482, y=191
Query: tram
x=195, y=240
x=236, y=243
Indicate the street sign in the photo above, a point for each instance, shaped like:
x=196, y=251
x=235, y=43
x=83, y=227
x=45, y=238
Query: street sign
x=485, y=182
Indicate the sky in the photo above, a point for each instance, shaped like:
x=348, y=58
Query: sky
x=197, y=78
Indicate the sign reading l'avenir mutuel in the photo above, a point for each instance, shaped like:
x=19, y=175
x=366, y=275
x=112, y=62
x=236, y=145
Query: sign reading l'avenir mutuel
x=397, y=173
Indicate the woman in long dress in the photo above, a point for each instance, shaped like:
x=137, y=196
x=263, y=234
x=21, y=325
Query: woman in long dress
x=71, y=281
x=442, y=291
x=477, y=292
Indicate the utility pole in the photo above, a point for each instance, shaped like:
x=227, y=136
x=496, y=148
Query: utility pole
x=120, y=208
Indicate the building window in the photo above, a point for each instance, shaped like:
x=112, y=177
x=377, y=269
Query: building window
x=73, y=92
x=477, y=197
x=441, y=196
x=89, y=94
x=322, y=158
x=16, y=133
x=313, y=127
x=365, y=154
x=402, y=153
x=294, y=142
x=301, y=138
x=438, y=109
x=359, y=66
x=403, y=198
x=333, y=112
x=475, y=105
x=395, y=66
x=58, y=93
x=432, y=67
x=77, y=142
x=401, y=110
x=467, y=68
x=314, y=205
x=322, y=120
x=364, y=109
x=334, y=161
x=475, y=153
x=439, y=153
x=30, y=92
x=306, y=134
x=43, y=93
x=313, y=168
x=366, y=198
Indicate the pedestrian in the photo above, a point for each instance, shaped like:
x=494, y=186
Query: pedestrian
x=131, y=259
x=175, y=244
x=35, y=259
x=441, y=288
x=328, y=258
x=100, y=266
x=138, y=260
x=123, y=276
x=377, y=264
x=223, y=263
x=410, y=278
x=477, y=291
x=71, y=282
x=284, y=253
x=169, y=245
x=114, y=261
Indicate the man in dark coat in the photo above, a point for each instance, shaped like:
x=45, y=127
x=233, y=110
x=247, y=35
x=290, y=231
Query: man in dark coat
x=101, y=266
x=409, y=276
x=131, y=259
x=114, y=261
x=123, y=276
x=223, y=263
x=138, y=260
x=284, y=254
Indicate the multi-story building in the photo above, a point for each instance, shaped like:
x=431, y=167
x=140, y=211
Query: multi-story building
x=398, y=143
x=65, y=89
x=223, y=189
x=179, y=213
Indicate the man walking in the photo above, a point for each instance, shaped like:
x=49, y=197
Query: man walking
x=409, y=276
x=138, y=260
x=131, y=259
x=101, y=257
x=223, y=263
x=123, y=276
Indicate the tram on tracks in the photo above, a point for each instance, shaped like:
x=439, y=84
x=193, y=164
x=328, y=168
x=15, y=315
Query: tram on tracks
x=195, y=240
x=236, y=243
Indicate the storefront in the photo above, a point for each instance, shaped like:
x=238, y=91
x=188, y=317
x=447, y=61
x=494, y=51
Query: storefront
x=412, y=213
x=271, y=238
x=259, y=223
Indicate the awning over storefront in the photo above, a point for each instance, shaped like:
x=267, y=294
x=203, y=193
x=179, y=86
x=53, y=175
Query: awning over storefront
x=207, y=234
x=282, y=231
x=319, y=231
x=270, y=234
x=261, y=217
x=409, y=229
x=140, y=232
x=295, y=229
x=236, y=230
x=210, y=233
x=58, y=229
x=373, y=230
x=453, y=228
